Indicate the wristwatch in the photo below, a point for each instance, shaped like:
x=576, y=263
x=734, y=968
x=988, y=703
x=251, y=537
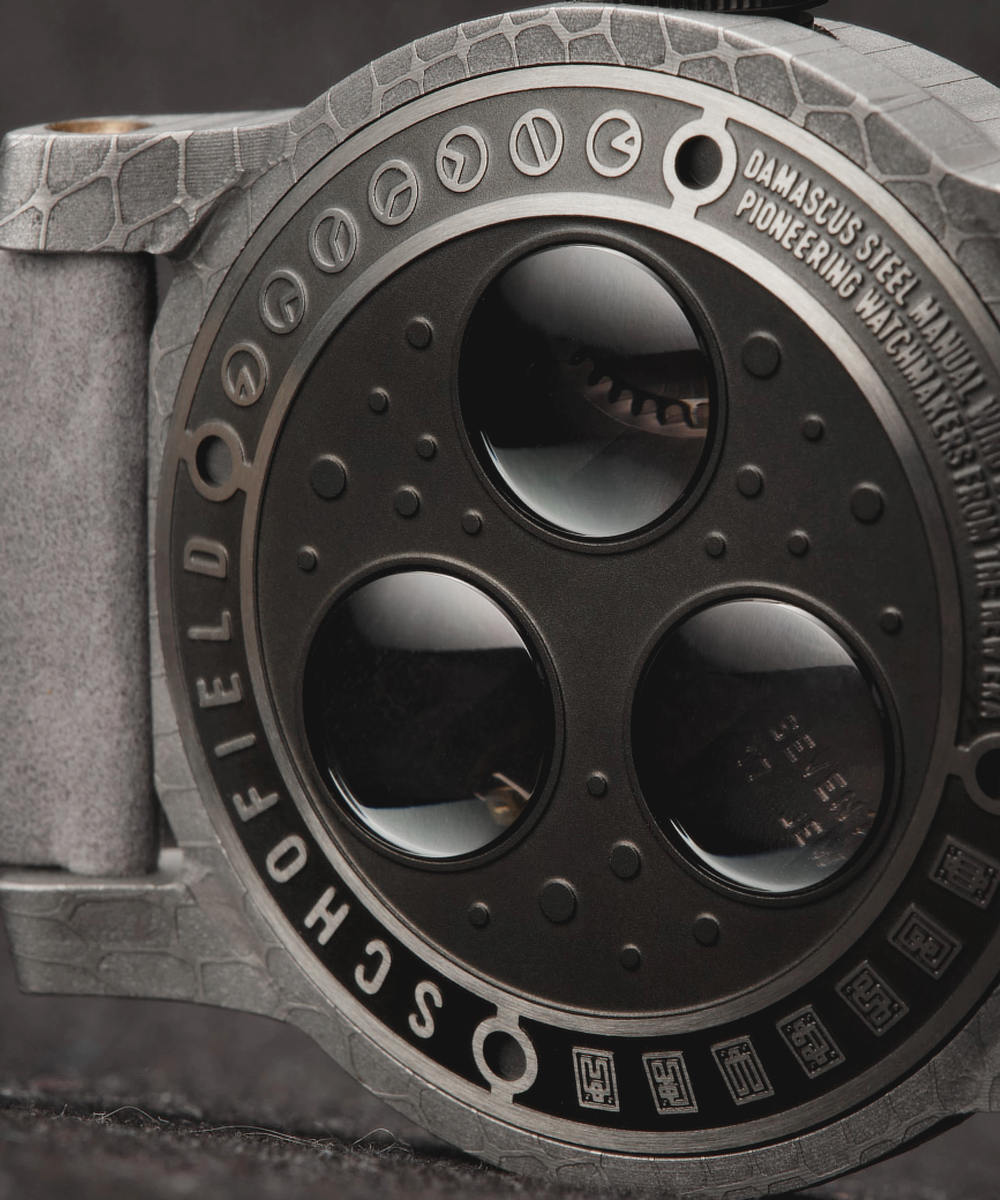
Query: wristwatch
x=501, y=571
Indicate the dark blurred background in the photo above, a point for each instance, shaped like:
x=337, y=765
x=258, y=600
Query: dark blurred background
x=60, y=59
x=101, y=1098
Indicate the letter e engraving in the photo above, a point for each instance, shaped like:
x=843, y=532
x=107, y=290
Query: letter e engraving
x=219, y=695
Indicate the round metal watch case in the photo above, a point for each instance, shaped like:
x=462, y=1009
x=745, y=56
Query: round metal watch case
x=583, y=997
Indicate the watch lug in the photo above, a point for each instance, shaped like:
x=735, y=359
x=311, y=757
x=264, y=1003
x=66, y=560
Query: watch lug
x=172, y=935
x=129, y=184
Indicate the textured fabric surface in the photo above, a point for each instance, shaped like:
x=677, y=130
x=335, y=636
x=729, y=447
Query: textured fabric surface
x=74, y=710
x=109, y=1098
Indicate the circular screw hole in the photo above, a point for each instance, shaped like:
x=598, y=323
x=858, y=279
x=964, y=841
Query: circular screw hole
x=407, y=502
x=891, y=621
x=472, y=523
x=706, y=930
x=630, y=958
x=328, y=477
x=307, y=560
x=798, y=544
x=715, y=545
x=813, y=429
x=419, y=333
x=479, y=915
x=988, y=773
x=504, y=1056
x=557, y=901
x=597, y=784
x=867, y=503
x=625, y=860
x=699, y=162
x=762, y=356
x=750, y=482
x=427, y=447
x=378, y=401
x=214, y=461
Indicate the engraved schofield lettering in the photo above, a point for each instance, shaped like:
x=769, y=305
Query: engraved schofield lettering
x=328, y=918
x=222, y=632
x=596, y=1079
x=219, y=694
x=369, y=976
x=287, y=859
x=236, y=745
x=426, y=997
x=253, y=803
x=205, y=556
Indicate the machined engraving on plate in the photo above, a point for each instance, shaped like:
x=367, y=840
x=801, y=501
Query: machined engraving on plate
x=462, y=159
x=244, y=374
x=868, y=995
x=393, y=192
x=333, y=240
x=924, y=942
x=742, y=1071
x=967, y=873
x=596, y=1079
x=536, y=142
x=811, y=1042
x=670, y=1083
x=283, y=301
x=614, y=143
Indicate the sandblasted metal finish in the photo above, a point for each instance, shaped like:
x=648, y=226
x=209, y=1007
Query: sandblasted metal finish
x=75, y=762
x=940, y=165
x=140, y=184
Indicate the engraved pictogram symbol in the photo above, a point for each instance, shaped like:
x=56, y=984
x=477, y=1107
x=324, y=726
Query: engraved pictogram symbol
x=393, y=192
x=283, y=301
x=596, y=1080
x=924, y=942
x=462, y=159
x=967, y=873
x=244, y=374
x=614, y=143
x=868, y=995
x=811, y=1043
x=742, y=1071
x=670, y=1083
x=333, y=240
x=536, y=142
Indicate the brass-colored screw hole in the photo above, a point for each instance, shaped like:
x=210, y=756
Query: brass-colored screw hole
x=97, y=126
